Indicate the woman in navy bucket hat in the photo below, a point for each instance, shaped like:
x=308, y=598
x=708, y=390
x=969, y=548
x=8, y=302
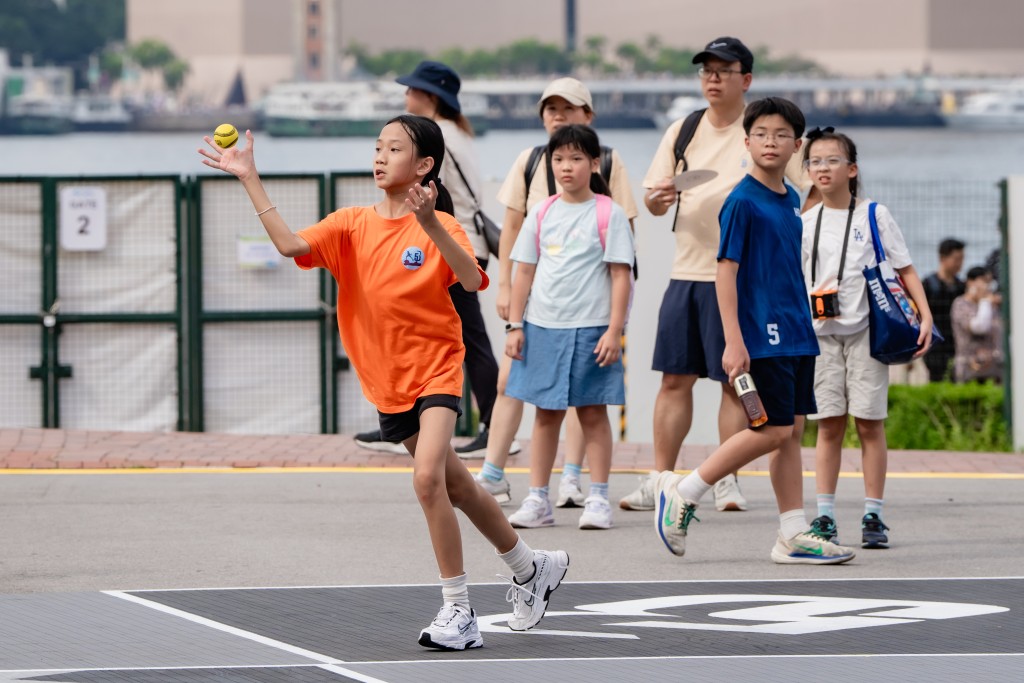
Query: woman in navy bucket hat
x=433, y=90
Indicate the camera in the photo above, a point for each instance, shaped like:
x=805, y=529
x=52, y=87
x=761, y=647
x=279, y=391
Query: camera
x=825, y=304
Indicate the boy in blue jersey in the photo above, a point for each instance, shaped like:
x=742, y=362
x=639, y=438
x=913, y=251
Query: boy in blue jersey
x=768, y=333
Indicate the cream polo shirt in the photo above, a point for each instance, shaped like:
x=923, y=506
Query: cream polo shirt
x=697, y=229
x=513, y=193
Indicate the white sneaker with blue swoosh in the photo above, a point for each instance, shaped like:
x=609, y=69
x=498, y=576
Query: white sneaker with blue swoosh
x=530, y=600
x=454, y=628
x=672, y=514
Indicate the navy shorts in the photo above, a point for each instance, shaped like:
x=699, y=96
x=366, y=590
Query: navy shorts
x=786, y=387
x=397, y=427
x=690, y=339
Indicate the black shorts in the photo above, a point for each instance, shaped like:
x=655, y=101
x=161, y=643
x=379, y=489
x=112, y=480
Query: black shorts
x=690, y=339
x=397, y=427
x=786, y=387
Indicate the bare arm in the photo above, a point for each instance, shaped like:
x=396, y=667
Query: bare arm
x=509, y=232
x=517, y=308
x=609, y=346
x=916, y=291
x=421, y=202
x=240, y=163
x=735, y=360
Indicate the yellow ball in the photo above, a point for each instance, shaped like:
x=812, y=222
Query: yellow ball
x=225, y=136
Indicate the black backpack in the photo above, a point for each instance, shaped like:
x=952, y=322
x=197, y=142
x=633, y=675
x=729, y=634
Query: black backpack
x=686, y=132
x=534, y=161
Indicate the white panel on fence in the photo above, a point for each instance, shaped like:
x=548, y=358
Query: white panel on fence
x=82, y=218
x=262, y=378
x=21, y=399
x=1015, y=297
x=136, y=272
x=231, y=284
x=124, y=377
x=21, y=244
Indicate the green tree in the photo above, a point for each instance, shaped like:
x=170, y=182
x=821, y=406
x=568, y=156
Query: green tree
x=151, y=54
x=174, y=73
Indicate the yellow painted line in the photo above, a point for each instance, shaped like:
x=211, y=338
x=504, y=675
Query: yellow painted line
x=407, y=470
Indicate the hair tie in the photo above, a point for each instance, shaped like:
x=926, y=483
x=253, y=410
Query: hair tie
x=819, y=132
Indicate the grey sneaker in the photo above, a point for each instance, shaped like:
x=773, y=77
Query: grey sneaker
x=806, y=548
x=501, y=490
x=597, y=513
x=530, y=600
x=873, y=532
x=728, y=495
x=569, y=493
x=375, y=442
x=477, y=448
x=673, y=514
x=643, y=498
x=534, y=513
x=454, y=628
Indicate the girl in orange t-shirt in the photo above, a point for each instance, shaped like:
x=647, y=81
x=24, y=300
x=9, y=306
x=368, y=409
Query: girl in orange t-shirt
x=394, y=262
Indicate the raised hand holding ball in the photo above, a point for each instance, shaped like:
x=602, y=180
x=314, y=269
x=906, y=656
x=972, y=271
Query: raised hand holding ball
x=225, y=136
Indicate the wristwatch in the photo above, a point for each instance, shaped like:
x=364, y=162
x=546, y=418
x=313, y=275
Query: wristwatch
x=513, y=326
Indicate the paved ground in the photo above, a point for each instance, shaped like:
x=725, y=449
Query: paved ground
x=200, y=557
x=78, y=449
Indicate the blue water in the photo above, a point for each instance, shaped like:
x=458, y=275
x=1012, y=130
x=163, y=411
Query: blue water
x=938, y=182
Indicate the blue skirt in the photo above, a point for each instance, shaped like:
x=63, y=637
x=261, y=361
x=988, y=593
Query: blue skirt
x=559, y=369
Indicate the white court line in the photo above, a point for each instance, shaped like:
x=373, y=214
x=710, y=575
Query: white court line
x=248, y=635
x=687, y=657
x=585, y=583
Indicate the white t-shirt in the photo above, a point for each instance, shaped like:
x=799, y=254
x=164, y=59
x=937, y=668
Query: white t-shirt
x=572, y=286
x=460, y=146
x=853, y=301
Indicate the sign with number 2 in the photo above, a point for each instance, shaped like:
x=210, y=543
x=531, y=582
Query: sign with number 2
x=83, y=218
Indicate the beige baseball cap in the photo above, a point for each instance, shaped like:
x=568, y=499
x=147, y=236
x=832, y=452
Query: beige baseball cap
x=570, y=90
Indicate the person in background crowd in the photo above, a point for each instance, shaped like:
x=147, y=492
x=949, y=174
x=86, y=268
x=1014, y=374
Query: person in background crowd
x=941, y=288
x=978, y=328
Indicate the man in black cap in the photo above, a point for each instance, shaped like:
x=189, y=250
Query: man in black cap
x=690, y=340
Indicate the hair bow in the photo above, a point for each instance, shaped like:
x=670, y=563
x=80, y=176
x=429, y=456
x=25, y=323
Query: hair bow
x=818, y=132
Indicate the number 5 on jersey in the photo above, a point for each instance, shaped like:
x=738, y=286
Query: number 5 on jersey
x=773, y=333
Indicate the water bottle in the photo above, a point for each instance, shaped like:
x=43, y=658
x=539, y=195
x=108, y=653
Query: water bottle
x=747, y=392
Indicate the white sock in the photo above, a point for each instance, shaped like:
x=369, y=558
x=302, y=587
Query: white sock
x=792, y=523
x=519, y=560
x=692, y=487
x=455, y=590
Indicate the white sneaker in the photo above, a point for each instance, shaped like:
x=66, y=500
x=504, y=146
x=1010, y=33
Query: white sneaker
x=728, y=495
x=530, y=600
x=673, y=514
x=516, y=448
x=501, y=490
x=569, y=493
x=535, y=512
x=454, y=628
x=643, y=498
x=597, y=513
x=806, y=548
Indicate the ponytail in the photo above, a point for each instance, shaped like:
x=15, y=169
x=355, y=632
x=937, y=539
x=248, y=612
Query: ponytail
x=429, y=141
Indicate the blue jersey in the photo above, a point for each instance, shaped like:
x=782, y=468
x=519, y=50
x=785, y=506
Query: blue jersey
x=762, y=231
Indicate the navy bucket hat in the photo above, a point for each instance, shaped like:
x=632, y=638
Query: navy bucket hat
x=437, y=79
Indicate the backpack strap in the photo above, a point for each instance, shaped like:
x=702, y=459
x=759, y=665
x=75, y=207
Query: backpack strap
x=531, y=166
x=686, y=132
x=545, y=205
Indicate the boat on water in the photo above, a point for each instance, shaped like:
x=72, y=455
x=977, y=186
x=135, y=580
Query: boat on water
x=97, y=112
x=344, y=109
x=35, y=101
x=996, y=110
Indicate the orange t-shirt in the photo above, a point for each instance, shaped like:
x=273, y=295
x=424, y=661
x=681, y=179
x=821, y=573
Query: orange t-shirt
x=396, y=318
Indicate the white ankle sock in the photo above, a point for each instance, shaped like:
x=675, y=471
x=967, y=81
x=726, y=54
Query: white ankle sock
x=792, y=523
x=455, y=590
x=519, y=560
x=692, y=487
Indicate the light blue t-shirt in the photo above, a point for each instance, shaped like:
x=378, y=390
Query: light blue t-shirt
x=762, y=230
x=572, y=286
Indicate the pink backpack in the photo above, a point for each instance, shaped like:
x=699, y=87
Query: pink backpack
x=604, y=214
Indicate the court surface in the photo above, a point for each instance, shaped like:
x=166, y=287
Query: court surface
x=914, y=629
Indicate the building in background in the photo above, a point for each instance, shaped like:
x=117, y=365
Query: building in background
x=271, y=41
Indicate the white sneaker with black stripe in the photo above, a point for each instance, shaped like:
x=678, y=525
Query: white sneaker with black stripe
x=530, y=600
x=454, y=628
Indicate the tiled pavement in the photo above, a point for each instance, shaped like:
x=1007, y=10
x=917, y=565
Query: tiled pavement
x=82, y=449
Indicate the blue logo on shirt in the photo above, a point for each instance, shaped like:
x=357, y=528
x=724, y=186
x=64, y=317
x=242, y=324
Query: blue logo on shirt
x=858, y=235
x=412, y=258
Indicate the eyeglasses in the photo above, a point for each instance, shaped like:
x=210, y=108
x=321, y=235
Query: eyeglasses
x=761, y=136
x=719, y=74
x=818, y=163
